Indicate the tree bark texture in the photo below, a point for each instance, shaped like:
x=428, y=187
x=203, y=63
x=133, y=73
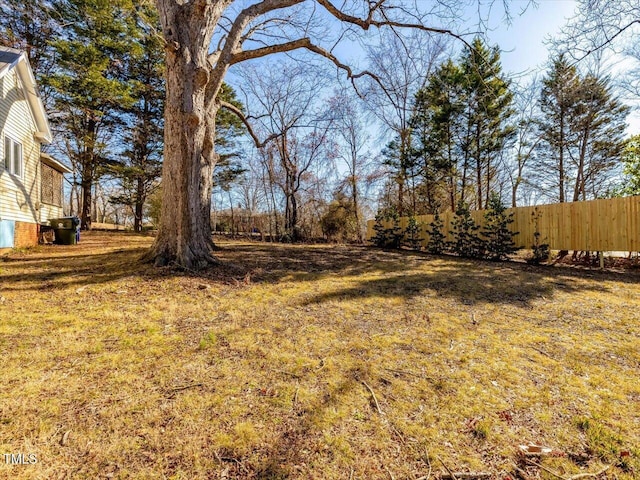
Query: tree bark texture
x=141, y=197
x=86, y=184
x=185, y=237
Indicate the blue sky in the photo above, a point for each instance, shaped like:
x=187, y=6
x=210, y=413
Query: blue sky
x=522, y=42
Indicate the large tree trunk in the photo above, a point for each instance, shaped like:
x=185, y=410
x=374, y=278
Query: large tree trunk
x=478, y=170
x=86, y=183
x=561, y=159
x=139, y=205
x=184, y=237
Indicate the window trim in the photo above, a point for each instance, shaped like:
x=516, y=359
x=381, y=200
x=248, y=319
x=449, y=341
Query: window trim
x=9, y=155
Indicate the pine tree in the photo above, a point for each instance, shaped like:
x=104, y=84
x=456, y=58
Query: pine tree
x=28, y=25
x=460, y=125
x=387, y=236
x=141, y=168
x=466, y=241
x=558, y=100
x=498, y=238
x=404, y=171
x=487, y=114
x=89, y=85
x=437, y=126
x=437, y=240
x=228, y=128
x=412, y=233
x=631, y=166
x=582, y=128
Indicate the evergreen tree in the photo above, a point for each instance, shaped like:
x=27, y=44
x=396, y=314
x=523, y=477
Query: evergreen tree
x=387, y=228
x=437, y=239
x=599, y=126
x=141, y=168
x=498, y=238
x=466, y=240
x=539, y=251
x=487, y=114
x=89, y=86
x=460, y=125
x=412, y=233
x=582, y=126
x=437, y=127
x=28, y=25
x=228, y=128
x=404, y=171
x=631, y=166
x=558, y=100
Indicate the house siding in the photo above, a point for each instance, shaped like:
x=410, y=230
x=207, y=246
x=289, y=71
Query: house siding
x=47, y=212
x=19, y=196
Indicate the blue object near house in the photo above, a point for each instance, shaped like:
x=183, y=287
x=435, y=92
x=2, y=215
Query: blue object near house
x=7, y=231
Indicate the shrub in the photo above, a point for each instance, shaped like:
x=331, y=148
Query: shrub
x=498, y=238
x=437, y=243
x=387, y=236
x=539, y=251
x=339, y=222
x=466, y=241
x=412, y=233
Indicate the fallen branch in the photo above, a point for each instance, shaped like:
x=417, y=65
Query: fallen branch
x=586, y=475
x=452, y=475
x=465, y=475
x=295, y=397
x=428, y=475
x=539, y=350
x=548, y=470
x=408, y=373
x=65, y=438
x=291, y=374
x=524, y=475
x=173, y=391
x=373, y=395
x=389, y=472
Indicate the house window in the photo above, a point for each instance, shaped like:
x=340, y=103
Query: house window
x=51, y=186
x=13, y=156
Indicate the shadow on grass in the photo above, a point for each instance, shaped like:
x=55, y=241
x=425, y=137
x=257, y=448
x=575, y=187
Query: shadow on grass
x=53, y=273
x=400, y=274
x=467, y=286
x=304, y=430
x=468, y=281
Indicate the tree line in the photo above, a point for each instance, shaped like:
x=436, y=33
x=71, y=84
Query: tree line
x=462, y=130
x=474, y=132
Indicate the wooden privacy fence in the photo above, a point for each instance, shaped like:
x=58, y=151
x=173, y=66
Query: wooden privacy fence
x=597, y=225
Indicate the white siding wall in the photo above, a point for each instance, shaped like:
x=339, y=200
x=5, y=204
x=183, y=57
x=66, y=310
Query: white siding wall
x=19, y=197
x=50, y=211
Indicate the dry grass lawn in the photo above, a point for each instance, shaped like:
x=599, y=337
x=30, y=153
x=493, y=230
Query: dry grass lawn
x=313, y=362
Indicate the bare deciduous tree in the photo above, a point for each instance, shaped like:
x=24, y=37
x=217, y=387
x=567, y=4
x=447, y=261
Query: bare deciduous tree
x=195, y=75
x=285, y=96
x=352, y=152
x=527, y=136
x=403, y=66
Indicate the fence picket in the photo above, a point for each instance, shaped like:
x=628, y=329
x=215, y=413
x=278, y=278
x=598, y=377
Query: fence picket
x=596, y=225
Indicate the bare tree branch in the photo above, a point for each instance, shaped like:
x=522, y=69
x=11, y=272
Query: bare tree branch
x=304, y=43
x=369, y=22
x=235, y=38
x=608, y=40
x=238, y=113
